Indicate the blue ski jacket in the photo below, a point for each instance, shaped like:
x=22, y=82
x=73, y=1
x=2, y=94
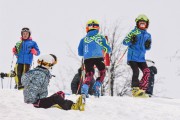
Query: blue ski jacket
x=136, y=52
x=92, y=45
x=24, y=55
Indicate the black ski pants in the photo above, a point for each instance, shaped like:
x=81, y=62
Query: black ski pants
x=52, y=100
x=143, y=84
x=21, y=69
x=89, y=65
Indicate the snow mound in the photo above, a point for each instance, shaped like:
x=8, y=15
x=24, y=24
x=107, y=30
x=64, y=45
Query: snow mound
x=12, y=107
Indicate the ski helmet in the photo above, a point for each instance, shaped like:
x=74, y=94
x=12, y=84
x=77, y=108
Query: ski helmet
x=142, y=17
x=92, y=25
x=25, y=29
x=47, y=61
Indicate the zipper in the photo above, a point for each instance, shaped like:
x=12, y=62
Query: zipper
x=23, y=52
x=142, y=38
x=131, y=55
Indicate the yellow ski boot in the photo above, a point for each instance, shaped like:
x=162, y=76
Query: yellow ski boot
x=137, y=92
x=56, y=106
x=79, y=105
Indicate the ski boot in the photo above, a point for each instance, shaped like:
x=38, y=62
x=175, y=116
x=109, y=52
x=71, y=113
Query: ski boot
x=15, y=87
x=56, y=106
x=136, y=92
x=96, y=87
x=84, y=90
x=79, y=105
x=20, y=87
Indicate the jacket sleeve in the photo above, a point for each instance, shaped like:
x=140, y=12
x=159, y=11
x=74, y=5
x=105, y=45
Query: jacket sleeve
x=148, y=43
x=106, y=46
x=18, y=46
x=36, y=48
x=75, y=83
x=80, y=48
x=127, y=40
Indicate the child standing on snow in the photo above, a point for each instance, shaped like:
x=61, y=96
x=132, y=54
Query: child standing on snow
x=90, y=48
x=24, y=51
x=77, y=81
x=138, y=41
x=153, y=71
x=36, y=83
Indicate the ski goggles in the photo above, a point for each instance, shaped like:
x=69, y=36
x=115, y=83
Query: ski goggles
x=89, y=25
x=25, y=30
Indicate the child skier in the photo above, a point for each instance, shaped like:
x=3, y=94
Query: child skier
x=24, y=51
x=138, y=41
x=153, y=71
x=77, y=81
x=90, y=47
x=36, y=82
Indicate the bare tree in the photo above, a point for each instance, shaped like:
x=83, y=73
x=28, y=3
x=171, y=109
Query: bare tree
x=117, y=67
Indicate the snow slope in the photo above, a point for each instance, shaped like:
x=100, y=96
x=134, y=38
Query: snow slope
x=104, y=108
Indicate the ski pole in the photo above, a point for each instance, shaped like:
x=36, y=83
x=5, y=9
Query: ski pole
x=2, y=83
x=122, y=56
x=11, y=70
x=82, y=76
x=33, y=64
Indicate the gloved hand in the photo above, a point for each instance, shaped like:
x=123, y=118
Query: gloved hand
x=2, y=75
x=147, y=44
x=61, y=94
x=14, y=50
x=33, y=51
x=133, y=39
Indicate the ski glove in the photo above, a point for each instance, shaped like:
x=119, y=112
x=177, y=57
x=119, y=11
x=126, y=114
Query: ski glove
x=14, y=50
x=33, y=51
x=2, y=75
x=61, y=94
x=133, y=39
x=148, y=44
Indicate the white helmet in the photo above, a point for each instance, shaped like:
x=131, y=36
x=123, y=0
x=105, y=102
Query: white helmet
x=47, y=61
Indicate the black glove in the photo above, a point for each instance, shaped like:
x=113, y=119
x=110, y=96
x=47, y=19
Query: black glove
x=133, y=39
x=2, y=75
x=147, y=44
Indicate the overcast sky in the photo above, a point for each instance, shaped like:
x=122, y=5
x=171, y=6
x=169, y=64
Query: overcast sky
x=56, y=23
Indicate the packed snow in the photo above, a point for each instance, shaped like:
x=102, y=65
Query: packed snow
x=103, y=108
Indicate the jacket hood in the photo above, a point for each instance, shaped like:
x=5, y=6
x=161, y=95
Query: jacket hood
x=92, y=33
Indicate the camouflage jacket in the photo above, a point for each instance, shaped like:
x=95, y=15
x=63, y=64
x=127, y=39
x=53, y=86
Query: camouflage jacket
x=35, y=84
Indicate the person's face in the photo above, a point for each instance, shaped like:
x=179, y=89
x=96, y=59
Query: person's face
x=25, y=35
x=142, y=25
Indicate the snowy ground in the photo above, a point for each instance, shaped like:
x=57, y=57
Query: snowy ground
x=104, y=108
